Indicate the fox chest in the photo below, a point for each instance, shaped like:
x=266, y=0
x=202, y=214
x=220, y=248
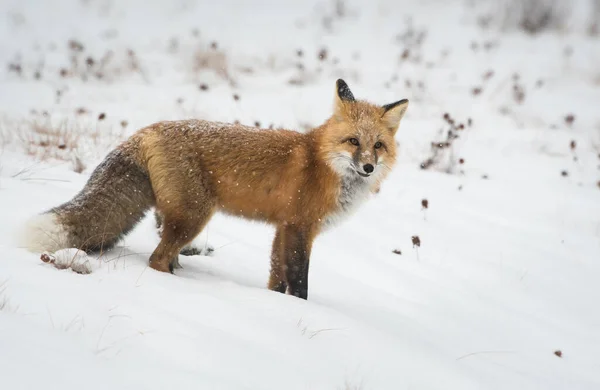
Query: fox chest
x=352, y=193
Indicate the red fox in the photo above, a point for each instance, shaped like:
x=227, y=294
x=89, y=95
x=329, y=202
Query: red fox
x=187, y=170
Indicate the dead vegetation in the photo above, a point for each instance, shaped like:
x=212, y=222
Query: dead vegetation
x=443, y=155
x=348, y=385
x=71, y=140
x=110, y=66
x=205, y=57
x=594, y=19
x=529, y=16
x=4, y=301
x=306, y=331
x=558, y=353
x=211, y=59
x=333, y=12
x=81, y=64
x=411, y=40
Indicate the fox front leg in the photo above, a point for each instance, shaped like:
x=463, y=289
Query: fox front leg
x=277, y=279
x=297, y=246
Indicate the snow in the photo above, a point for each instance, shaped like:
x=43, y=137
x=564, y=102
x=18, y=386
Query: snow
x=507, y=271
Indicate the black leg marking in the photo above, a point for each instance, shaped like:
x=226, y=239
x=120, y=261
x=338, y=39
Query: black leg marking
x=297, y=252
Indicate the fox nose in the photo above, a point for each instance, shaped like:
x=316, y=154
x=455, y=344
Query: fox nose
x=368, y=168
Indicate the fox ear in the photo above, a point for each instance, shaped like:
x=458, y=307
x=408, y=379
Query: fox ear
x=392, y=113
x=343, y=91
x=342, y=95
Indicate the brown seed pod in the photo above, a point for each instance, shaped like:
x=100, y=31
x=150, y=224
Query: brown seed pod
x=488, y=75
x=569, y=119
x=322, y=54
x=416, y=241
x=75, y=45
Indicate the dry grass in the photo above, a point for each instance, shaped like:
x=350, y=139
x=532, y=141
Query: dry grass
x=110, y=67
x=352, y=386
x=211, y=59
x=594, y=19
x=4, y=301
x=443, y=154
x=69, y=140
x=6, y=135
x=530, y=16
x=214, y=60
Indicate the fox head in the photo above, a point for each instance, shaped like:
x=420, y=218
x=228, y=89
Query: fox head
x=359, y=136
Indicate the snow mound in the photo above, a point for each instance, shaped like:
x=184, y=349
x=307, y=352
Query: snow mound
x=70, y=258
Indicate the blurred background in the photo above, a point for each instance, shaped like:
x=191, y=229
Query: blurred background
x=79, y=75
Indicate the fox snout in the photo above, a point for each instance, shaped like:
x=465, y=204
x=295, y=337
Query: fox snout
x=365, y=161
x=365, y=170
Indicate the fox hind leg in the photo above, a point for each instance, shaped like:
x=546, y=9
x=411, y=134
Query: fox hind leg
x=188, y=250
x=177, y=232
x=184, y=206
x=160, y=220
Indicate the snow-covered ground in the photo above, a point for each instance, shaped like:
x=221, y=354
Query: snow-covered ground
x=508, y=270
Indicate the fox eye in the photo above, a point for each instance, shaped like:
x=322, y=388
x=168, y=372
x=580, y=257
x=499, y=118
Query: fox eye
x=354, y=141
x=378, y=145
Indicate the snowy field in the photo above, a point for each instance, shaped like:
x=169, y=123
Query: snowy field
x=502, y=292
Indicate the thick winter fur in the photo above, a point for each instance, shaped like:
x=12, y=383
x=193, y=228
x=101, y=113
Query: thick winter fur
x=190, y=169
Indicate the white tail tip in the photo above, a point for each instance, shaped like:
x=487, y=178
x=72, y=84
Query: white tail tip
x=43, y=233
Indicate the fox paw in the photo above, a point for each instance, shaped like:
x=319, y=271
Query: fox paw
x=192, y=250
x=162, y=267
